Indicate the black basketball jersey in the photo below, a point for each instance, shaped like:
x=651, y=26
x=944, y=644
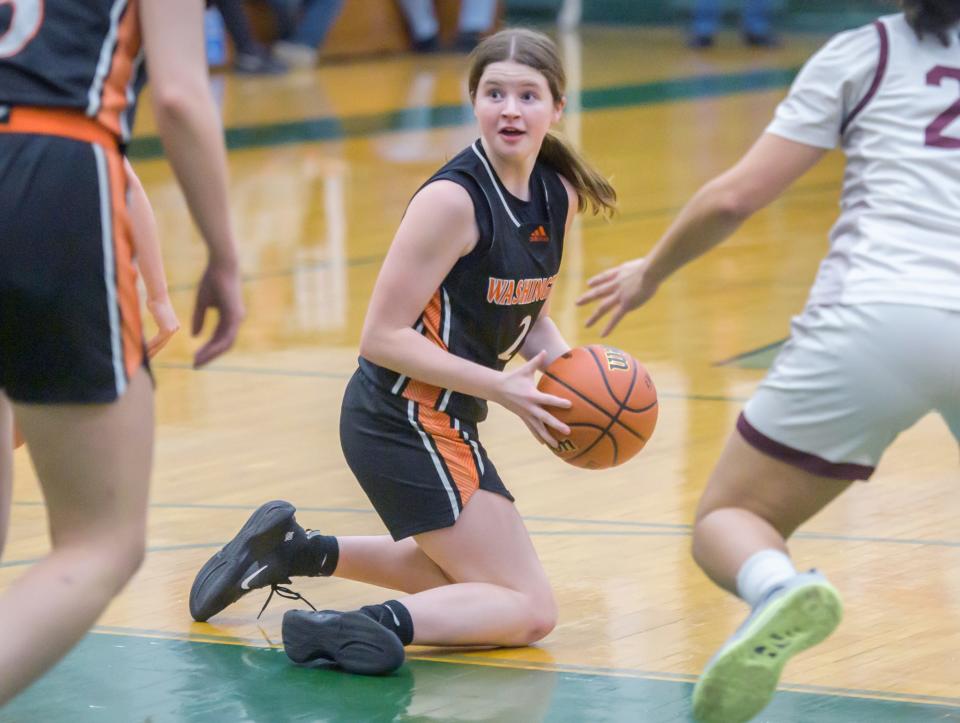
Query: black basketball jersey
x=81, y=54
x=493, y=295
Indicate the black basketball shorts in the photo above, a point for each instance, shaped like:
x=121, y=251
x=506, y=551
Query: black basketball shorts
x=419, y=467
x=70, y=328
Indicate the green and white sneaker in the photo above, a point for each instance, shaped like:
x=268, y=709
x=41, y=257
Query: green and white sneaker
x=742, y=677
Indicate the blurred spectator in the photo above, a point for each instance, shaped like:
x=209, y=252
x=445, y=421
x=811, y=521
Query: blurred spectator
x=756, y=20
x=302, y=26
x=476, y=18
x=249, y=55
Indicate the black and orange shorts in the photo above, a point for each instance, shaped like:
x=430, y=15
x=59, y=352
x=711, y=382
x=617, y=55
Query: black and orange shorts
x=419, y=467
x=70, y=328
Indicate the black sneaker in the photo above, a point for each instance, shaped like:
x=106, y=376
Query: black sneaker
x=258, y=556
x=351, y=641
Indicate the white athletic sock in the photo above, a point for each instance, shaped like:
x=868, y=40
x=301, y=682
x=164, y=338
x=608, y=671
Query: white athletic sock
x=762, y=571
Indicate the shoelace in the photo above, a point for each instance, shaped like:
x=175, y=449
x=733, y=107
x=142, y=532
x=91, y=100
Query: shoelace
x=284, y=592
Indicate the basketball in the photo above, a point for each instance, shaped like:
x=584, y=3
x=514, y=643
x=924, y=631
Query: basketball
x=614, y=407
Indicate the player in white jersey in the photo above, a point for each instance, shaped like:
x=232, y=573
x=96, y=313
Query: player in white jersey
x=877, y=347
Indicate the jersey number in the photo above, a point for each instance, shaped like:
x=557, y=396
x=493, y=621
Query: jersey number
x=524, y=328
x=934, y=131
x=25, y=20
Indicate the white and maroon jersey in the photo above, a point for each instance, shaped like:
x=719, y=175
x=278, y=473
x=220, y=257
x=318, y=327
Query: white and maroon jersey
x=893, y=102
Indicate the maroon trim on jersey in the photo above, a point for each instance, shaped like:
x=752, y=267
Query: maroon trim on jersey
x=804, y=460
x=877, y=76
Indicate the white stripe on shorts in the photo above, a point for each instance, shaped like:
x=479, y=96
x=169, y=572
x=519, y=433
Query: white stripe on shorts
x=476, y=447
x=109, y=269
x=411, y=415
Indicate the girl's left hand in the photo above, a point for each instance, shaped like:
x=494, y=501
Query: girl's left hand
x=167, y=324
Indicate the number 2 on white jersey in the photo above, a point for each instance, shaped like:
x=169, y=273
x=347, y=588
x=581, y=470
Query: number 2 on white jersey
x=24, y=23
x=934, y=135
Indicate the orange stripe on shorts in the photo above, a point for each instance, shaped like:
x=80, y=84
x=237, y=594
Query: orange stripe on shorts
x=127, y=296
x=456, y=453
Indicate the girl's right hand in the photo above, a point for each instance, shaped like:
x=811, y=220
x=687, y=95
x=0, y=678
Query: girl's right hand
x=517, y=391
x=167, y=324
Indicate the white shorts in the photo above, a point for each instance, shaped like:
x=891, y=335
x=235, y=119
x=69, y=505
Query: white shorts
x=849, y=380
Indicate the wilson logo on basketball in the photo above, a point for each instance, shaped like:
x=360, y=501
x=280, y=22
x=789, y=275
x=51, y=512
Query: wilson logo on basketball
x=616, y=360
x=539, y=235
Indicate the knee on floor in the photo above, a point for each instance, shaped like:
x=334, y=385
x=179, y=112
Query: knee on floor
x=542, y=618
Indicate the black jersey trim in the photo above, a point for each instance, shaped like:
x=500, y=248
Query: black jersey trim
x=496, y=184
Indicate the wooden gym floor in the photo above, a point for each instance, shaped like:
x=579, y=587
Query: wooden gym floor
x=322, y=166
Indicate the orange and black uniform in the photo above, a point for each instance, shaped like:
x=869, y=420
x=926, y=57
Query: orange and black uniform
x=413, y=446
x=70, y=328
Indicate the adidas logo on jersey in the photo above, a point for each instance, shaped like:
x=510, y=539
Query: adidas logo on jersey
x=539, y=235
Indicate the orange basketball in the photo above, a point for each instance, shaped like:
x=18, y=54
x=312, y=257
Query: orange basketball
x=614, y=405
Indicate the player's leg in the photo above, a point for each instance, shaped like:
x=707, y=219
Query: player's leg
x=271, y=549
x=841, y=390
x=753, y=502
x=500, y=595
x=93, y=462
x=395, y=564
x=386, y=451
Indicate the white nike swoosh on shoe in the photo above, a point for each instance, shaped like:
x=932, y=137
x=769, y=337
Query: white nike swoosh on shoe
x=245, y=585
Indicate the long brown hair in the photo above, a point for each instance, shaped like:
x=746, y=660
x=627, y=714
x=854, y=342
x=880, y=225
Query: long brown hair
x=931, y=16
x=537, y=51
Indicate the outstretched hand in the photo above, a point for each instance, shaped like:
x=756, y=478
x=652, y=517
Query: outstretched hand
x=518, y=392
x=620, y=289
x=219, y=289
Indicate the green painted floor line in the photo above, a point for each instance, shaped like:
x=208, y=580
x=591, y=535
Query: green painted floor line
x=424, y=118
x=112, y=677
x=759, y=358
x=680, y=677
x=451, y=658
